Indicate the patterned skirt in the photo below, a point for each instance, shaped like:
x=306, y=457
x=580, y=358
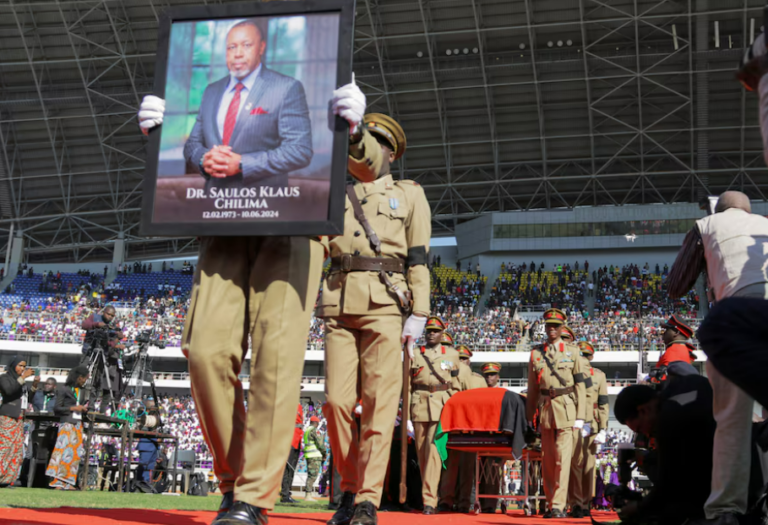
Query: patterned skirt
x=65, y=460
x=11, y=449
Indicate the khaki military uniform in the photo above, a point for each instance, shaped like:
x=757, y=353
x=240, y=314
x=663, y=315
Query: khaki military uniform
x=582, y=482
x=581, y=486
x=556, y=415
x=363, y=323
x=426, y=407
x=457, y=479
x=264, y=287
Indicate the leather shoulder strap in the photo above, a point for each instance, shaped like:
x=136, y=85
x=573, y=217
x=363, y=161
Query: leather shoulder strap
x=551, y=368
x=434, y=372
x=363, y=220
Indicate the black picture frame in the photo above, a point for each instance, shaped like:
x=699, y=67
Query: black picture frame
x=334, y=222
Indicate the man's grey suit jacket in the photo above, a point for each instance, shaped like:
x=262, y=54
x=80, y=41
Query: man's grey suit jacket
x=273, y=131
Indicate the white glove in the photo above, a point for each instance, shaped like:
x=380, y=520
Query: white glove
x=600, y=437
x=349, y=103
x=412, y=330
x=410, y=427
x=151, y=113
x=579, y=424
x=359, y=409
x=587, y=430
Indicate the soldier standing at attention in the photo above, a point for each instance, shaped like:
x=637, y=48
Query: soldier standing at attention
x=434, y=379
x=378, y=276
x=459, y=474
x=314, y=453
x=491, y=479
x=677, y=339
x=581, y=486
x=556, y=388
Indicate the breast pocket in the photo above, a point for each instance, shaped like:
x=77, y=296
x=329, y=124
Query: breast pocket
x=391, y=217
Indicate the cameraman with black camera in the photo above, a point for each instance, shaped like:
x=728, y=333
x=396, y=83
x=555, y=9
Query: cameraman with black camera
x=106, y=369
x=679, y=419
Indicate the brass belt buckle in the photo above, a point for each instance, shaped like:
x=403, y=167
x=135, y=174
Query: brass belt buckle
x=346, y=263
x=552, y=394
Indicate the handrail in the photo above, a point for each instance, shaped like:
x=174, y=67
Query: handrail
x=501, y=346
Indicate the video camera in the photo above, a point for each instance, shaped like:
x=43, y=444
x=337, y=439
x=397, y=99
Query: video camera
x=98, y=338
x=148, y=338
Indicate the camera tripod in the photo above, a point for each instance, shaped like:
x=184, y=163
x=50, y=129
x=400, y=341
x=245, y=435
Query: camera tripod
x=141, y=372
x=97, y=367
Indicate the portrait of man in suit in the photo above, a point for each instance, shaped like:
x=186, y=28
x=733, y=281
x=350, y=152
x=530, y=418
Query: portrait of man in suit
x=253, y=127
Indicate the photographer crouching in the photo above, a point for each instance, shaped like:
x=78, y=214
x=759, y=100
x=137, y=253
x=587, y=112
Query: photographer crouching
x=103, y=355
x=679, y=419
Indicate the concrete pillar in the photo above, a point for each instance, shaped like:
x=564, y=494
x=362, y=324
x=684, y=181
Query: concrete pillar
x=118, y=255
x=17, y=254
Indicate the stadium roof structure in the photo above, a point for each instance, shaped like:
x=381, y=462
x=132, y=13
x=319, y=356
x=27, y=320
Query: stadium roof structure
x=507, y=105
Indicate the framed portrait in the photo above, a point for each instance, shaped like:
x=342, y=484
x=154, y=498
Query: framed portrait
x=248, y=145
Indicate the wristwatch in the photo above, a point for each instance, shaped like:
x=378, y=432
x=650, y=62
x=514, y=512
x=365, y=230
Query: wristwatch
x=240, y=166
x=202, y=169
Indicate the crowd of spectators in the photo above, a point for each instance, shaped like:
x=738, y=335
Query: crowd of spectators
x=628, y=304
x=562, y=287
x=632, y=290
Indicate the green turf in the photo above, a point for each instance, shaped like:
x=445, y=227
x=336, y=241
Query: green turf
x=43, y=498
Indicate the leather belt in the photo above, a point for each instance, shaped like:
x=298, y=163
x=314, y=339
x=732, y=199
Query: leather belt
x=557, y=392
x=431, y=388
x=358, y=263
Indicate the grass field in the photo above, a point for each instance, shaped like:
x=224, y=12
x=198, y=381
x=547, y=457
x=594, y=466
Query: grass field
x=43, y=498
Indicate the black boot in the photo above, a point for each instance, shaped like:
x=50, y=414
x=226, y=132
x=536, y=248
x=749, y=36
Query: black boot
x=365, y=514
x=345, y=511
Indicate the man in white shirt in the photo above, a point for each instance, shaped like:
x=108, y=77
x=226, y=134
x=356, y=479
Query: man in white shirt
x=731, y=245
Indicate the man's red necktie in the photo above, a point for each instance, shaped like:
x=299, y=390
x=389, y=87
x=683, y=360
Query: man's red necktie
x=231, y=119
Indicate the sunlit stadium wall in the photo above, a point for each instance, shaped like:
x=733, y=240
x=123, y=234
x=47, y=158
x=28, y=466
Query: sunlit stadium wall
x=603, y=235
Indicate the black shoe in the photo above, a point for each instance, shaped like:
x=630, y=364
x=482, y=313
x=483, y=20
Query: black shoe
x=576, y=512
x=345, y=511
x=242, y=514
x=462, y=510
x=554, y=513
x=365, y=514
x=288, y=499
x=429, y=511
x=226, y=504
x=586, y=513
x=444, y=507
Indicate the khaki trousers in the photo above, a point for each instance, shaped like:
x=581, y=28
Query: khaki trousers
x=363, y=360
x=458, y=479
x=581, y=485
x=265, y=287
x=732, y=454
x=556, y=451
x=429, y=460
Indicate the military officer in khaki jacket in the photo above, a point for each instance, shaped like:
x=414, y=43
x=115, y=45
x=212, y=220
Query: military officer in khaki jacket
x=434, y=379
x=556, y=379
x=581, y=488
x=459, y=475
x=364, y=303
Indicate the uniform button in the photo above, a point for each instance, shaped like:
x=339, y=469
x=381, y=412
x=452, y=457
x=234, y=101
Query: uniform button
x=357, y=233
x=357, y=252
x=364, y=201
